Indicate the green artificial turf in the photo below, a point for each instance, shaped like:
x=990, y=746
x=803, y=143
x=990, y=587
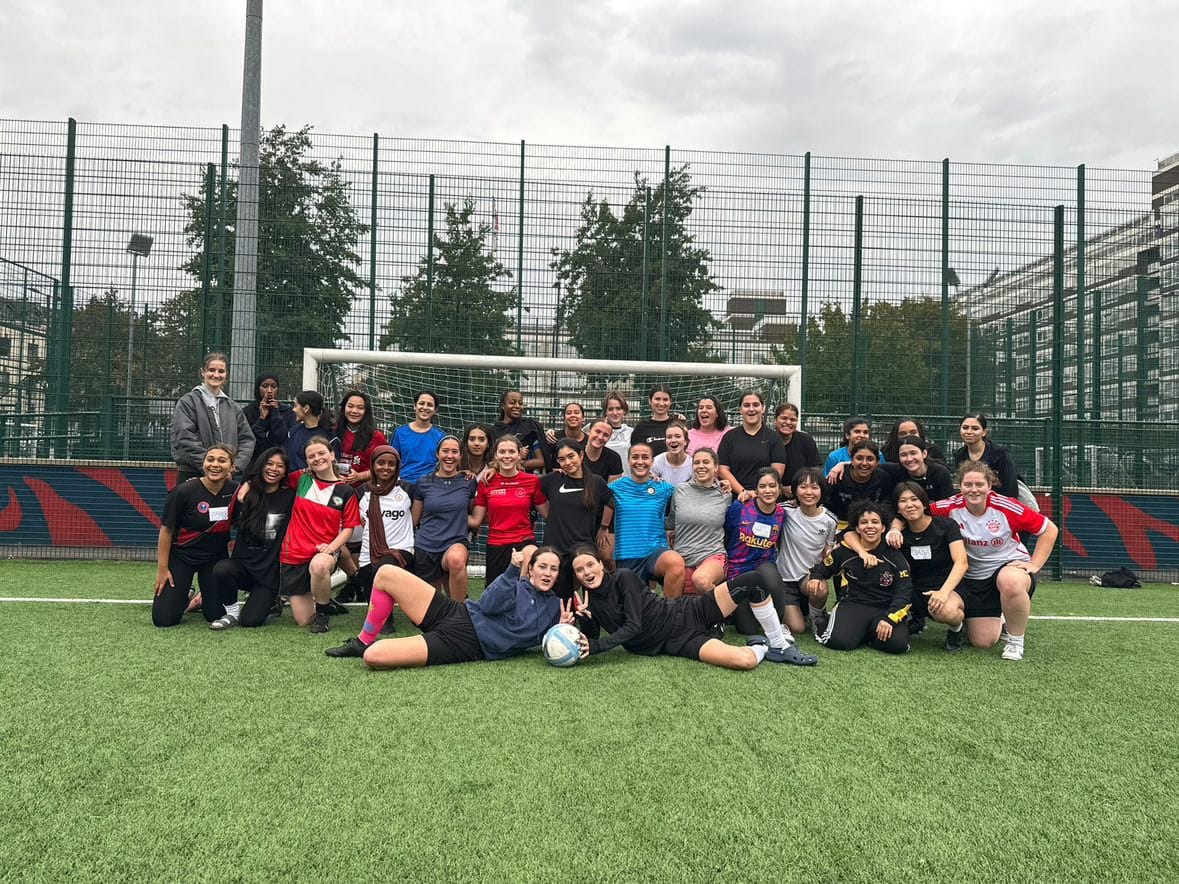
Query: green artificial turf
x=133, y=753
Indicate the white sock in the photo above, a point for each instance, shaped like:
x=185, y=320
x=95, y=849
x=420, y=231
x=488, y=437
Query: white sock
x=234, y=610
x=776, y=634
x=957, y=628
x=816, y=612
x=1016, y=640
x=759, y=651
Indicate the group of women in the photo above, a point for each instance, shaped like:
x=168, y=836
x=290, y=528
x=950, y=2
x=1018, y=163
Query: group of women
x=729, y=520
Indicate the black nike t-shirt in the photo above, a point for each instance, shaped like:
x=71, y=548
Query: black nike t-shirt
x=570, y=521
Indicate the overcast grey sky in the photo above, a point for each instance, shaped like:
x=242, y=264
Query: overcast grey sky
x=1050, y=82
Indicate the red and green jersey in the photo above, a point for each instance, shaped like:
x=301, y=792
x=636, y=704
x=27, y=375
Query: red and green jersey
x=321, y=511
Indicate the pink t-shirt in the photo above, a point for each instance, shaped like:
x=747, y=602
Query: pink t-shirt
x=698, y=439
x=992, y=539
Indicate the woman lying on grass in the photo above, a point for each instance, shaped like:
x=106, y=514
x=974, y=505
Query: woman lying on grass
x=644, y=623
x=511, y=616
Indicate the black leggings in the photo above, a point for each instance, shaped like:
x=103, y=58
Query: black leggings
x=167, y=608
x=229, y=575
x=743, y=617
x=853, y=625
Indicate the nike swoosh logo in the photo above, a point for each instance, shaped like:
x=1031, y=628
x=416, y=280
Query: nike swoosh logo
x=564, y=490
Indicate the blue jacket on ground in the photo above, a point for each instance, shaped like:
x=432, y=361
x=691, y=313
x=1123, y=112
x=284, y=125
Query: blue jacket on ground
x=512, y=615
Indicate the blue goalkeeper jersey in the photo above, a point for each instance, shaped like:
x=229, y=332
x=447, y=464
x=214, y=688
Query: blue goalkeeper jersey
x=639, y=511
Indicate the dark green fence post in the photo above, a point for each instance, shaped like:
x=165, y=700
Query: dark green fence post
x=857, y=282
x=1095, y=406
x=224, y=295
x=946, y=288
x=1080, y=332
x=64, y=346
x=806, y=273
x=207, y=272
x=1141, y=288
x=520, y=262
x=664, y=319
x=644, y=312
x=372, y=252
x=1032, y=317
x=1058, y=383
x=430, y=271
x=1009, y=365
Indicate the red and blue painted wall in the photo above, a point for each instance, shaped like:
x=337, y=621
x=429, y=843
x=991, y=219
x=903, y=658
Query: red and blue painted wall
x=109, y=507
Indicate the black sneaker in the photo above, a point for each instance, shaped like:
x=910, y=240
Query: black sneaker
x=954, y=640
x=349, y=591
x=334, y=608
x=819, y=625
x=916, y=625
x=354, y=647
x=320, y=624
x=390, y=627
x=275, y=611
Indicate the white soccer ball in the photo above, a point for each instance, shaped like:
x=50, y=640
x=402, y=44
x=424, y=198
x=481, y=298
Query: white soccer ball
x=560, y=645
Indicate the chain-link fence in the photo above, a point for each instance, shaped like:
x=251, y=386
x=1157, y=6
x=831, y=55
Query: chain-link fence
x=902, y=287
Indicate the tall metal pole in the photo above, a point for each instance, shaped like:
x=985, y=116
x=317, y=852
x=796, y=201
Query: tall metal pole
x=245, y=246
x=646, y=288
x=372, y=252
x=66, y=325
x=1080, y=333
x=430, y=270
x=1058, y=381
x=130, y=352
x=520, y=261
x=946, y=288
x=664, y=319
x=803, y=315
x=857, y=287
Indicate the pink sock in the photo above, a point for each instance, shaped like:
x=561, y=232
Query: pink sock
x=380, y=609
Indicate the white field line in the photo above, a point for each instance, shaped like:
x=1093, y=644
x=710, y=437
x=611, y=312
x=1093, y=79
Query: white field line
x=1064, y=617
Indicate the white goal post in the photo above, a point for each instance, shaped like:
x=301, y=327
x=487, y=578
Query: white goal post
x=432, y=368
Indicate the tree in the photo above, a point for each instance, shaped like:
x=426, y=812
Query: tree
x=453, y=305
x=610, y=308
x=458, y=308
x=308, y=231
x=901, y=360
x=98, y=356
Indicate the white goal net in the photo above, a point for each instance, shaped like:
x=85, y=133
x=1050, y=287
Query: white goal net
x=469, y=387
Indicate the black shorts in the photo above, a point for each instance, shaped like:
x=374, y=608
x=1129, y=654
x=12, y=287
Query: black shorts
x=692, y=618
x=981, y=595
x=248, y=578
x=428, y=566
x=449, y=633
x=793, y=593
x=294, y=579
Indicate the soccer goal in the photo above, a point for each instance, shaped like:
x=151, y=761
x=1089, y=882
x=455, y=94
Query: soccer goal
x=469, y=387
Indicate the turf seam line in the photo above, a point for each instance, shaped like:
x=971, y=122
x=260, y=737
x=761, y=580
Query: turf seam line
x=1082, y=618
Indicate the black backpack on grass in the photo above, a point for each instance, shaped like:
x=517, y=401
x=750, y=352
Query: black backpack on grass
x=1120, y=578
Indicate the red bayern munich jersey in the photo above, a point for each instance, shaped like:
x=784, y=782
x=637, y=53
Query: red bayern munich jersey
x=992, y=539
x=321, y=511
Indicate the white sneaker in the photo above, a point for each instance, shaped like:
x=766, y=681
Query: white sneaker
x=1012, y=651
x=226, y=622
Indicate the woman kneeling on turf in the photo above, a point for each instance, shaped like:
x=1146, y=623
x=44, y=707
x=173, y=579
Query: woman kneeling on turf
x=194, y=536
x=322, y=518
x=1001, y=575
x=873, y=607
x=263, y=511
x=511, y=616
x=644, y=623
